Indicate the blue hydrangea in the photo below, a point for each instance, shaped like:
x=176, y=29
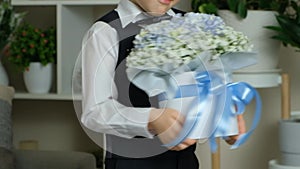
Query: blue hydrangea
x=181, y=39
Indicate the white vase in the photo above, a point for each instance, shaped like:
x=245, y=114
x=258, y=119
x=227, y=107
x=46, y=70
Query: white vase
x=38, y=78
x=289, y=138
x=253, y=27
x=274, y=164
x=3, y=75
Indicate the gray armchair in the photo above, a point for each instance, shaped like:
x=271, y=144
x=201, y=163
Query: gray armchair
x=34, y=159
x=31, y=159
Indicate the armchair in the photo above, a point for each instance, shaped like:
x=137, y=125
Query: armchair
x=34, y=159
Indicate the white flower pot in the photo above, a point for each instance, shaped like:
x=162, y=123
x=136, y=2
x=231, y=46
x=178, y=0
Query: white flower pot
x=253, y=27
x=289, y=136
x=273, y=164
x=38, y=78
x=290, y=159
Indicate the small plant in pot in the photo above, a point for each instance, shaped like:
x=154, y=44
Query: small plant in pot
x=33, y=51
x=31, y=44
x=9, y=22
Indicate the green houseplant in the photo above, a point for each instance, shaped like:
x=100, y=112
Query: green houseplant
x=9, y=21
x=31, y=44
x=33, y=51
x=288, y=31
x=240, y=7
x=251, y=17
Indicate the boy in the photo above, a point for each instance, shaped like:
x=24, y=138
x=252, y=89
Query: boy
x=135, y=130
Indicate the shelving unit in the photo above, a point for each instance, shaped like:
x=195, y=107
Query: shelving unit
x=72, y=18
x=259, y=79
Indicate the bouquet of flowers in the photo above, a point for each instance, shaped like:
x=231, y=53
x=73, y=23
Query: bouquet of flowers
x=182, y=39
x=187, y=61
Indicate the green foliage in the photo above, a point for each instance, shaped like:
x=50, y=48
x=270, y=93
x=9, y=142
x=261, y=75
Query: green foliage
x=240, y=7
x=9, y=21
x=288, y=31
x=32, y=44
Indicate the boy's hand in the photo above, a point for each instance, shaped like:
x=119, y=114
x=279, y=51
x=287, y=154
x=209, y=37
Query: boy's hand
x=242, y=129
x=167, y=124
x=183, y=145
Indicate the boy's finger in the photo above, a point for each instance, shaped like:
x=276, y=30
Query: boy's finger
x=189, y=142
x=179, y=147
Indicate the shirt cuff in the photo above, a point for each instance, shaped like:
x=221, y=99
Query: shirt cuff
x=140, y=126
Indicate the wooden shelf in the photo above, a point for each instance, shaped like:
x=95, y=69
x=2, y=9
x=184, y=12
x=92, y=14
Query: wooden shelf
x=259, y=79
x=71, y=18
x=49, y=96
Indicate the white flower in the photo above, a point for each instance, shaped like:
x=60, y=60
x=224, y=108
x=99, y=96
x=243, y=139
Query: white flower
x=181, y=39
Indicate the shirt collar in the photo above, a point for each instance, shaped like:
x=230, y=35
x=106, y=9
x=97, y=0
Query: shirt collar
x=129, y=12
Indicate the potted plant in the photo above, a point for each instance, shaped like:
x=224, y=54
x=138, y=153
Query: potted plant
x=9, y=21
x=288, y=31
x=251, y=17
x=33, y=51
x=240, y=7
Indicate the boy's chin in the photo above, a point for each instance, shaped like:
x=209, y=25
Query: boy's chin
x=157, y=13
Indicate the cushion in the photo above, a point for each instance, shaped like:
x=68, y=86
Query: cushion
x=5, y=125
x=6, y=95
x=6, y=156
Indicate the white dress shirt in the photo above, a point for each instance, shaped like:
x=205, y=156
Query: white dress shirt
x=101, y=110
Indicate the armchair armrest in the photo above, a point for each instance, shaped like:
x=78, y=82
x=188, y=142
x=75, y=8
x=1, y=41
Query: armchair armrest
x=32, y=159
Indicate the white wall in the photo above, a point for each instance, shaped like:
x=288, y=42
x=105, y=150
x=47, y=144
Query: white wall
x=184, y=5
x=52, y=123
x=263, y=144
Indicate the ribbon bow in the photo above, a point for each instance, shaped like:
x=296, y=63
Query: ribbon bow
x=239, y=94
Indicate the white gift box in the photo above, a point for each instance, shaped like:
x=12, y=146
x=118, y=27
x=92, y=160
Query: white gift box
x=203, y=112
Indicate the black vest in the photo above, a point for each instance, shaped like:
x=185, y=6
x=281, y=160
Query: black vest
x=130, y=95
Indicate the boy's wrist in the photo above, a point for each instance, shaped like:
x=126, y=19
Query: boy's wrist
x=152, y=117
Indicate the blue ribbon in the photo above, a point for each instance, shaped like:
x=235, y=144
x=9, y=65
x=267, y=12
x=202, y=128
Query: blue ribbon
x=231, y=95
x=202, y=88
x=240, y=94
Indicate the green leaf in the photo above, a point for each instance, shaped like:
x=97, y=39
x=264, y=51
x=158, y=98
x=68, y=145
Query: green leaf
x=274, y=28
x=282, y=38
x=297, y=9
x=209, y=8
x=39, y=51
x=264, y=4
x=242, y=9
x=286, y=40
x=194, y=5
x=292, y=29
x=232, y=4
